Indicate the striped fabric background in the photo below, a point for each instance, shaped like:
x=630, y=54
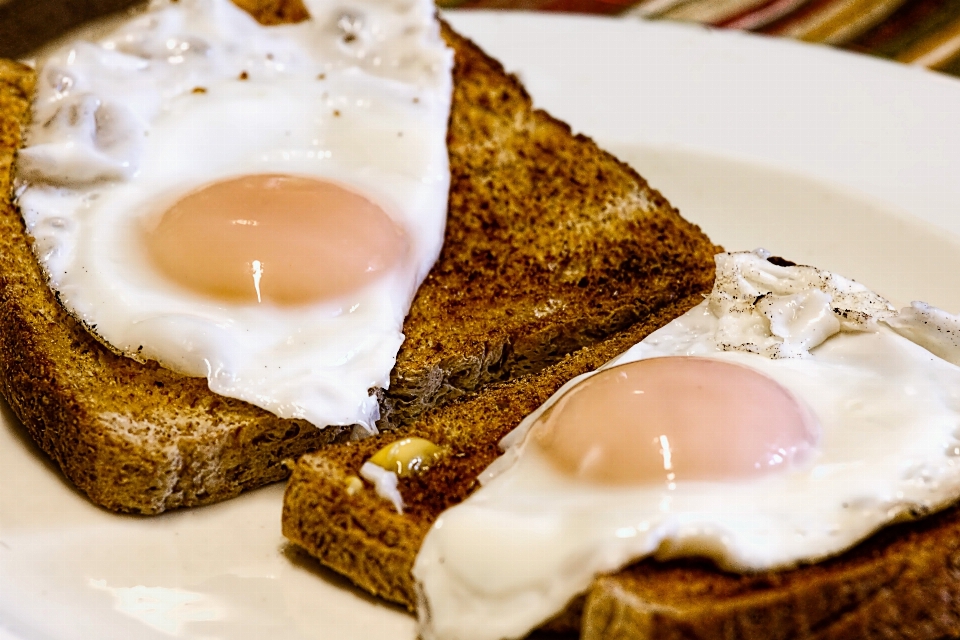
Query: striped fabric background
x=921, y=32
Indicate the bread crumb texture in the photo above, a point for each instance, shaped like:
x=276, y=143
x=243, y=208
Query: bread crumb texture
x=551, y=245
x=904, y=582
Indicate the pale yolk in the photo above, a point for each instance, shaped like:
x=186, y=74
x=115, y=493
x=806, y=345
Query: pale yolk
x=663, y=420
x=286, y=239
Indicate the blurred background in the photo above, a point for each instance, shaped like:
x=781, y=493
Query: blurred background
x=920, y=32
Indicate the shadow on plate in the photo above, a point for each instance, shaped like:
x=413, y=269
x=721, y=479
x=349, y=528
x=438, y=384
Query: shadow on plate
x=22, y=437
x=303, y=560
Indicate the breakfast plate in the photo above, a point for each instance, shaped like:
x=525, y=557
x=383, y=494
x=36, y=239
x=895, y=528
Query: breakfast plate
x=820, y=156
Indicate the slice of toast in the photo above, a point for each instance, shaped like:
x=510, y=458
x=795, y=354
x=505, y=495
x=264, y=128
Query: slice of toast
x=359, y=534
x=902, y=582
x=551, y=244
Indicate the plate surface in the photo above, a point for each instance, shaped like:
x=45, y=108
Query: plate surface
x=824, y=157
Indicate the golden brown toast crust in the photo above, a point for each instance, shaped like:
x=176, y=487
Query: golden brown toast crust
x=547, y=248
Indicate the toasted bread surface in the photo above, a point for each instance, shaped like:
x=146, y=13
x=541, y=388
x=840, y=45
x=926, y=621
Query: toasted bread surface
x=555, y=240
x=359, y=534
x=551, y=244
x=270, y=12
x=903, y=582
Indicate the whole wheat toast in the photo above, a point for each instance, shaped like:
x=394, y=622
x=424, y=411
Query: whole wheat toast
x=361, y=535
x=902, y=582
x=551, y=244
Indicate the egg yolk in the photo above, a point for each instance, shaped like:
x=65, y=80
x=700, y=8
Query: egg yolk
x=285, y=239
x=407, y=456
x=663, y=420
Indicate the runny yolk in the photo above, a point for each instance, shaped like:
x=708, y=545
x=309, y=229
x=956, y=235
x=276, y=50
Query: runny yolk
x=278, y=238
x=663, y=420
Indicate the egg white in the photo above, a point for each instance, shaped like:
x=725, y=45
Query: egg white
x=516, y=551
x=193, y=92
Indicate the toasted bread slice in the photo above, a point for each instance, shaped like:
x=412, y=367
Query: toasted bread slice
x=902, y=582
x=359, y=534
x=551, y=244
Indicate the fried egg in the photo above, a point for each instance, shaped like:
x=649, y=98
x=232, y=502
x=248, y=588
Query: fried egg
x=255, y=205
x=779, y=422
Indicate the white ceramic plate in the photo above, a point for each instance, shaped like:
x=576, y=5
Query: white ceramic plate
x=822, y=157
